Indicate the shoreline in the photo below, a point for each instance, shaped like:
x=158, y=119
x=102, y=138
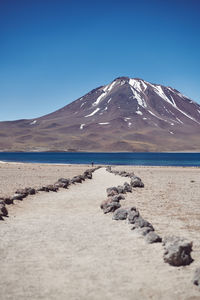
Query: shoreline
x=98, y=164
x=86, y=151
x=89, y=165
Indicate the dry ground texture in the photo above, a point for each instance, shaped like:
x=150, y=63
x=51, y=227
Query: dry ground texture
x=61, y=246
x=21, y=175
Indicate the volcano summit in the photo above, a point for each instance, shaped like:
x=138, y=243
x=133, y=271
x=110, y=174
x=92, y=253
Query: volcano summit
x=125, y=115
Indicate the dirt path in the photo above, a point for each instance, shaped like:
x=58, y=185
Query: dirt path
x=61, y=246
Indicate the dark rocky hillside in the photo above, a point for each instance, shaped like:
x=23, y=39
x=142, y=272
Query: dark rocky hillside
x=125, y=115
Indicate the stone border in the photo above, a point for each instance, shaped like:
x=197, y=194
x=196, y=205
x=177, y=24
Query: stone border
x=112, y=204
x=176, y=250
x=20, y=194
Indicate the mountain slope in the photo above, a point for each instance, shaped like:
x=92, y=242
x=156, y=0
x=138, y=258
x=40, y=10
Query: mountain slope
x=125, y=115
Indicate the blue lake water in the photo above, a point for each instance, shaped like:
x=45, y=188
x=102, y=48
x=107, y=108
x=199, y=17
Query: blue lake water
x=144, y=159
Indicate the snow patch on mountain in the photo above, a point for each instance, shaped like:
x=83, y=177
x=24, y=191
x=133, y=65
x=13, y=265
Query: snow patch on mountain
x=109, y=87
x=135, y=84
x=82, y=104
x=82, y=125
x=103, y=95
x=154, y=115
x=179, y=120
x=144, y=85
x=137, y=96
x=106, y=90
x=184, y=113
x=34, y=122
x=126, y=119
x=139, y=112
x=159, y=91
x=93, y=113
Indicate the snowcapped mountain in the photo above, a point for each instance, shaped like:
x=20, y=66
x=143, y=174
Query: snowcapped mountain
x=129, y=114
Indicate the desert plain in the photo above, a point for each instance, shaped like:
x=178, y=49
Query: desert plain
x=61, y=245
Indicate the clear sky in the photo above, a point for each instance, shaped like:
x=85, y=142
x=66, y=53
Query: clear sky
x=54, y=51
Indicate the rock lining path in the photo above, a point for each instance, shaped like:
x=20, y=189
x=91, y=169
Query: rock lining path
x=61, y=246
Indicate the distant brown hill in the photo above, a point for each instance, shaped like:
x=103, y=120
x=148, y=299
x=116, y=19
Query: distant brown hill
x=125, y=115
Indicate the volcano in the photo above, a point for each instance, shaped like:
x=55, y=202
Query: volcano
x=128, y=114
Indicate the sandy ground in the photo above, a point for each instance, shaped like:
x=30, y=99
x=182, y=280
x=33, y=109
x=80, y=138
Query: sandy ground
x=170, y=194
x=21, y=175
x=61, y=246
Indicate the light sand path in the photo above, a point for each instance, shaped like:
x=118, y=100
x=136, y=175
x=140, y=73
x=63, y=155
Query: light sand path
x=61, y=246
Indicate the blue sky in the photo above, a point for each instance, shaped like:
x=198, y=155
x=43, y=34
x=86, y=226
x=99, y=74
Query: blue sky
x=54, y=51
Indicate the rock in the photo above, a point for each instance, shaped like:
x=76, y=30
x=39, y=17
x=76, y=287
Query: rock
x=123, y=173
x=127, y=187
x=152, y=237
x=112, y=191
x=136, y=182
x=22, y=192
x=88, y=174
x=117, y=198
x=120, y=214
x=25, y=192
x=8, y=201
x=3, y=210
x=52, y=188
x=30, y=191
x=64, y=180
x=104, y=203
x=43, y=189
x=61, y=185
x=144, y=230
x=109, y=200
x=126, y=175
x=82, y=177
x=115, y=172
x=18, y=197
x=111, y=207
x=108, y=168
x=196, y=278
x=58, y=184
x=133, y=214
x=131, y=174
x=177, y=251
x=77, y=179
x=140, y=222
x=120, y=189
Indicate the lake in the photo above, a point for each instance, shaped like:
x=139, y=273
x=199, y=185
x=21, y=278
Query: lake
x=144, y=159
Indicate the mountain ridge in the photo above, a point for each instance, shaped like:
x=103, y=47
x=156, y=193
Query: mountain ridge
x=128, y=114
